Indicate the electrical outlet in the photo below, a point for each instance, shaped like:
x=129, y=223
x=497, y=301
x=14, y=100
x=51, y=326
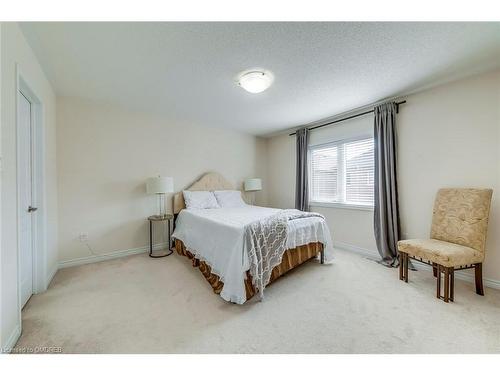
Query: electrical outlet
x=83, y=237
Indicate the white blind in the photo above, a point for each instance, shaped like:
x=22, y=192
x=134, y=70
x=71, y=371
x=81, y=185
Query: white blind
x=343, y=172
x=359, y=172
x=324, y=167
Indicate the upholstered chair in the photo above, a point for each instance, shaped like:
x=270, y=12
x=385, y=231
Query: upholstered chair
x=458, y=238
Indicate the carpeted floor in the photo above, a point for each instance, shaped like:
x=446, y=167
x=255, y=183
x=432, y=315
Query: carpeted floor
x=143, y=305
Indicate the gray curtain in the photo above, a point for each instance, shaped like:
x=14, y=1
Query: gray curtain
x=386, y=215
x=301, y=177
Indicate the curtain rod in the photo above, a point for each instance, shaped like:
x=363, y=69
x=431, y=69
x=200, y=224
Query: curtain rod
x=348, y=118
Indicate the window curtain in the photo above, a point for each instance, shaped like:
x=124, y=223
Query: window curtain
x=386, y=215
x=301, y=176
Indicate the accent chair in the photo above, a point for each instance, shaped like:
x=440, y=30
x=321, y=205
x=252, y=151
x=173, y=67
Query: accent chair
x=458, y=238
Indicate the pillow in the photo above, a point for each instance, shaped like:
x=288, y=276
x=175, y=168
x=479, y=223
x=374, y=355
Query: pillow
x=229, y=198
x=200, y=199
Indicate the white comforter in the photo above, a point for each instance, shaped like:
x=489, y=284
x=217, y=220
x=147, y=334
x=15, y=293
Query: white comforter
x=216, y=236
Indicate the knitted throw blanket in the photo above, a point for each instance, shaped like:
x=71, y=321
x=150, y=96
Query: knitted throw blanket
x=266, y=242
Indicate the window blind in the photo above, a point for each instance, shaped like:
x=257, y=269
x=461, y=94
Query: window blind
x=324, y=167
x=359, y=172
x=343, y=172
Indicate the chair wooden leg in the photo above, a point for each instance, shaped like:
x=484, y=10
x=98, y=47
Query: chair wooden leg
x=434, y=269
x=452, y=284
x=438, y=281
x=406, y=268
x=446, y=284
x=401, y=257
x=478, y=268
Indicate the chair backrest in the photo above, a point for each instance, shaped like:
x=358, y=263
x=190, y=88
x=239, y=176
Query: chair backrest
x=461, y=216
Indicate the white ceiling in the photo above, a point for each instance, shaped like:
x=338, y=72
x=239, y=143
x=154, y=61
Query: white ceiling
x=186, y=71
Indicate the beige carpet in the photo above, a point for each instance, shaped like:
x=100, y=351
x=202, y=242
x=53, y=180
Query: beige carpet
x=143, y=305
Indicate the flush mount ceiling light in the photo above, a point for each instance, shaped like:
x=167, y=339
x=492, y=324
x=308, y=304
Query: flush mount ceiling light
x=255, y=81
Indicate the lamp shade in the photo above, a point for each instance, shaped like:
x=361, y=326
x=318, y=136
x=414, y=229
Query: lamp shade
x=160, y=185
x=253, y=184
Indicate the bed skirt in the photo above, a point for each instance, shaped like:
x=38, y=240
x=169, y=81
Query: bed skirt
x=291, y=259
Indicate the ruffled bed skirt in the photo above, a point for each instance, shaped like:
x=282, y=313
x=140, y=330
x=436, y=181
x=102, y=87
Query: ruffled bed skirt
x=291, y=259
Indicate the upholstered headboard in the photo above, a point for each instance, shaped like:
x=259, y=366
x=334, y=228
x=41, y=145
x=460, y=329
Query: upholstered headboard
x=208, y=182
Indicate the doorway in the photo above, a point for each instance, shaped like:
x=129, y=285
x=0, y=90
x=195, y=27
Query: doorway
x=31, y=213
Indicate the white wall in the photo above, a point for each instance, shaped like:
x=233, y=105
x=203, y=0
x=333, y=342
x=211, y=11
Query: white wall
x=448, y=136
x=14, y=49
x=105, y=155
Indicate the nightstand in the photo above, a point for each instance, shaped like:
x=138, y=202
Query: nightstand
x=154, y=219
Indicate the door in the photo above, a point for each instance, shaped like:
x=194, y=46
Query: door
x=25, y=176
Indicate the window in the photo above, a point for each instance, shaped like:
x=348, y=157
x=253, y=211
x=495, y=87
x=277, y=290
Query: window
x=343, y=173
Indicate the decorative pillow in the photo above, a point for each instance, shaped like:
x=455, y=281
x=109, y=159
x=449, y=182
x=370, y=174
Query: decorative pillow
x=200, y=199
x=229, y=198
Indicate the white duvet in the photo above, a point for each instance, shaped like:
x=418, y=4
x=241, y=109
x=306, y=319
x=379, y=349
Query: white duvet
x=216, y=236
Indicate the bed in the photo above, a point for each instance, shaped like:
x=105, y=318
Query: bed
x=214, y=241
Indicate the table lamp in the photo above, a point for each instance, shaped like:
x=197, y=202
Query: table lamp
x=160, y=186
x=253, y=184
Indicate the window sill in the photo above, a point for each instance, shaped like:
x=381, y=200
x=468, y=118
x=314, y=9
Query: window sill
x=342, y=206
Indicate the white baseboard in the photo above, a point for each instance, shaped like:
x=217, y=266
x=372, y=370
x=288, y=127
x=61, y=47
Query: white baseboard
x=107, y=256
x=12, y=340
x=52, y=273
x=373, y=254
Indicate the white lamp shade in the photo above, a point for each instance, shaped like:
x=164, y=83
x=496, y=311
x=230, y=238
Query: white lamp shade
x=253, y=184
x=160, y=185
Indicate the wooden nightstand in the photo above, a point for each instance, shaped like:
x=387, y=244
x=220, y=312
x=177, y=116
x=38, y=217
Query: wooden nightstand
x=156, y=218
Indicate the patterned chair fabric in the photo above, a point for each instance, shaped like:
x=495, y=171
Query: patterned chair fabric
x=447, y=254
x=461, y=217
x=459, y=226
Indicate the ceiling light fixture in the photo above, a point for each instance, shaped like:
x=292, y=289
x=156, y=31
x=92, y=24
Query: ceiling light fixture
x=255, y=81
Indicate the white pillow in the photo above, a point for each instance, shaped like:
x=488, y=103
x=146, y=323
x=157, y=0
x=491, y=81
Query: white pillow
x=200, y=199
x=229, y=198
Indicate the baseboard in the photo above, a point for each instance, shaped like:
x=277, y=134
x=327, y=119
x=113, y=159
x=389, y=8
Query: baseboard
x=12, y=340
x=51, y=276
x=372, y=254
x=107, y=256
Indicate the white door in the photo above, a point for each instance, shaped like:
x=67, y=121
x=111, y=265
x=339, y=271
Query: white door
x=25, y=175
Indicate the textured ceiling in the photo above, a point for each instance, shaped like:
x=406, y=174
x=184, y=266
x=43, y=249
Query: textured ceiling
x=186, y=71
